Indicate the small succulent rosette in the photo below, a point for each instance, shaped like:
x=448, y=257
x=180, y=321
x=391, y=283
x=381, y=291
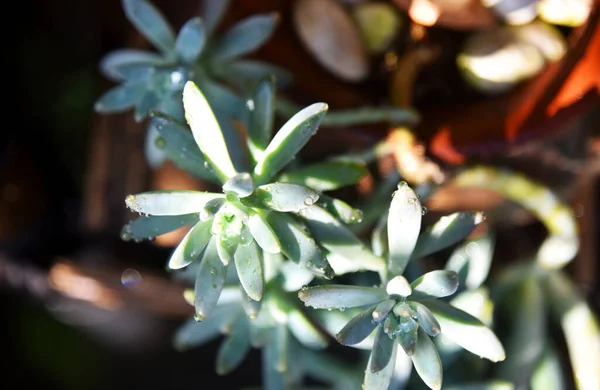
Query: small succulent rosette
x=409, y=314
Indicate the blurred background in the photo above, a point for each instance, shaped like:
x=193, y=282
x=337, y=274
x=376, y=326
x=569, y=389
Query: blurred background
x=86, y=310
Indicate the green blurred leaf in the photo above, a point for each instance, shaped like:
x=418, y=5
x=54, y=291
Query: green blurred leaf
x=120, y=98
x=150, y=23
x=111, y=63
x=243, y=71
x=288, y=141
x=283, y=197
x=262, y=117
x=225, y=104
x=358, y=328
x=492, y=385
x=262, y=232
x=194, y=334
x=340, y=296
x=380, y=380
x=548, y=373
x=304, y=330
x=177, y=202
x=275, y=358
x=149, y=101
x=191, y=246
x=427, y=361
x=244, y=37
x=437, y=284
x=326, y=176
x=233, y=349
x=209, y=281
x=403, y=227
x=190, y=40
x=150, y=227
x=382, y=351
x=472, y=261
x=248, y=261
x=212, y=12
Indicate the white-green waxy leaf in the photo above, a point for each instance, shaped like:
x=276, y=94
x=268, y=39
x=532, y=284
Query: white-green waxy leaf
x=248, y=262
x=340, y=296
x=194, y=334
x=150, y=227
x=548, y=373
x=382, y=351
x=169, y=202
x=209, y=281
x=112, y=62
x=262, y=116
x=294, y=276
x=120, y=98
x=379, y=241
x=580, y=327
x=250, y=306
x=151, y=23
x=449, y=230
x=191, y=247
x=336, y=238
x=408, y=336
x=398, y=285
x=288, y=141
x=212, y=12
x=262, y=232
x=275, y=358
x=466, y=331
x=472, y=261
x=382, y=309
x=284, y=197
x=227, y=245
x=491, y=385
x=380, y=380
x=206, y=131
x=298, y=245
x=426, y=319
x=180, y=147
x=241, y=71
x=427, y=362
x=244, y=37
x=303, y=329
x=240, y=184
x=233, y=350
x=439, y=283
x=149, y=101
x=358, y=328
x=190, y=40
x=326, y=176
x=340, y=209
x=403, y=226
x=226, y=106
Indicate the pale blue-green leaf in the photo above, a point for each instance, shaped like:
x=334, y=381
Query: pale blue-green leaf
x=439, y=283
x=340, y=296
x=326, y=176
x=190, y=40
x=277, y=348
x=548, y=373
x=340, y=209
x=154, y=150
x=466, y=331
x=472, y=261
x=241, y=72
x=262, y=232
x=403, y=226
x=398, y=285
x=294, y=276
x=150, y=227
x=244, y=37
x=194, y=334
x=225, y=104
x=382, y=351
x=241, y=185
x=172, y=106
x=212, y=11
x=150, y=101
x=248, y=261
x=449, y=230
x=227, y=245
x=333, y=321
x=380, y=380
x=477, y=303
x=426, y=319
x=191, y=246
x=390, y=325
x=272, y=263
x=382, y=310
x=358, y=328
x=408, y=338
x=169, y=202
x=262, y=116
x=120, y=98
x=151, y=23
x=336, y=372
x=112, y=62
x=379, y=240
x=305, y=331
x=137, y=74
x=233, y=349
x=427, y=361
x=402, y=372
x=207, y=132
x=336, y=238
x=288, y=141
x=209, y=281
x=491, y=385
x=181, y=148
x=298, y=245
x=250, y=306
x=283, y=197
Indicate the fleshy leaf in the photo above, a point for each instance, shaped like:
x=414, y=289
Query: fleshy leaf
x=403, y=226
x=298, y=245
x=248, y=261
x=382, y=309
x=275, y=358
x=262, y=116
x=358, y=328
x=382, y=351
x=192, y=245
x=151, y=23
x=340, y=209
x=113, y=61
x=120, y=98
x=250, y=306
x=380, y=380
x=241, y=71
x=427, y=361
x=301, y=327
x=340, y=296
x=169, y=202
x=326, y=176
x=150, y=227
x=233, y=350
x=472, y=261
x=288, y=141
x=407, y=338
x=209, y=281
x=492, y=385
x=466, y=331
x=548, y=374
x=426, y=319
x=449, y=230
x=283, y=197
x=262, y=232
x=439, y=283
x=207, y=132
x=194, y=334
x=148, y=102
x=227, y=245
x=398, y=286
x=212, y=11
x=244, y=37
x=191, y=40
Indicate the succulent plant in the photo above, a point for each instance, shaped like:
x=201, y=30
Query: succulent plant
x=409, y=314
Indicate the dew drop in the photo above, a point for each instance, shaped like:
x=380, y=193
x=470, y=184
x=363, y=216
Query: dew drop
x=213, y=271
x=424, y=210
x=250, y=104
x=126, y=236
x=160, y=142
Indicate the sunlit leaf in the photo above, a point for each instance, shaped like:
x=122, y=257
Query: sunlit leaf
x=326, y=176
x=358, y=328
x=398, y=285
x=209, y=281
x=262, y=232
x=192, y=245
x=491, y=385
x=150, y=227
x=427, y=361
x=380, y=380
x=169, y=202
x=340, y=296
x=248, y=261
x=439, y=283
x=339, y=209
x=190, y=40
x=403, y=226
x=151, y=23
x=283, y=197
x=548, y=373
x=301, y=327
x=472, y=261
x=244, y=37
